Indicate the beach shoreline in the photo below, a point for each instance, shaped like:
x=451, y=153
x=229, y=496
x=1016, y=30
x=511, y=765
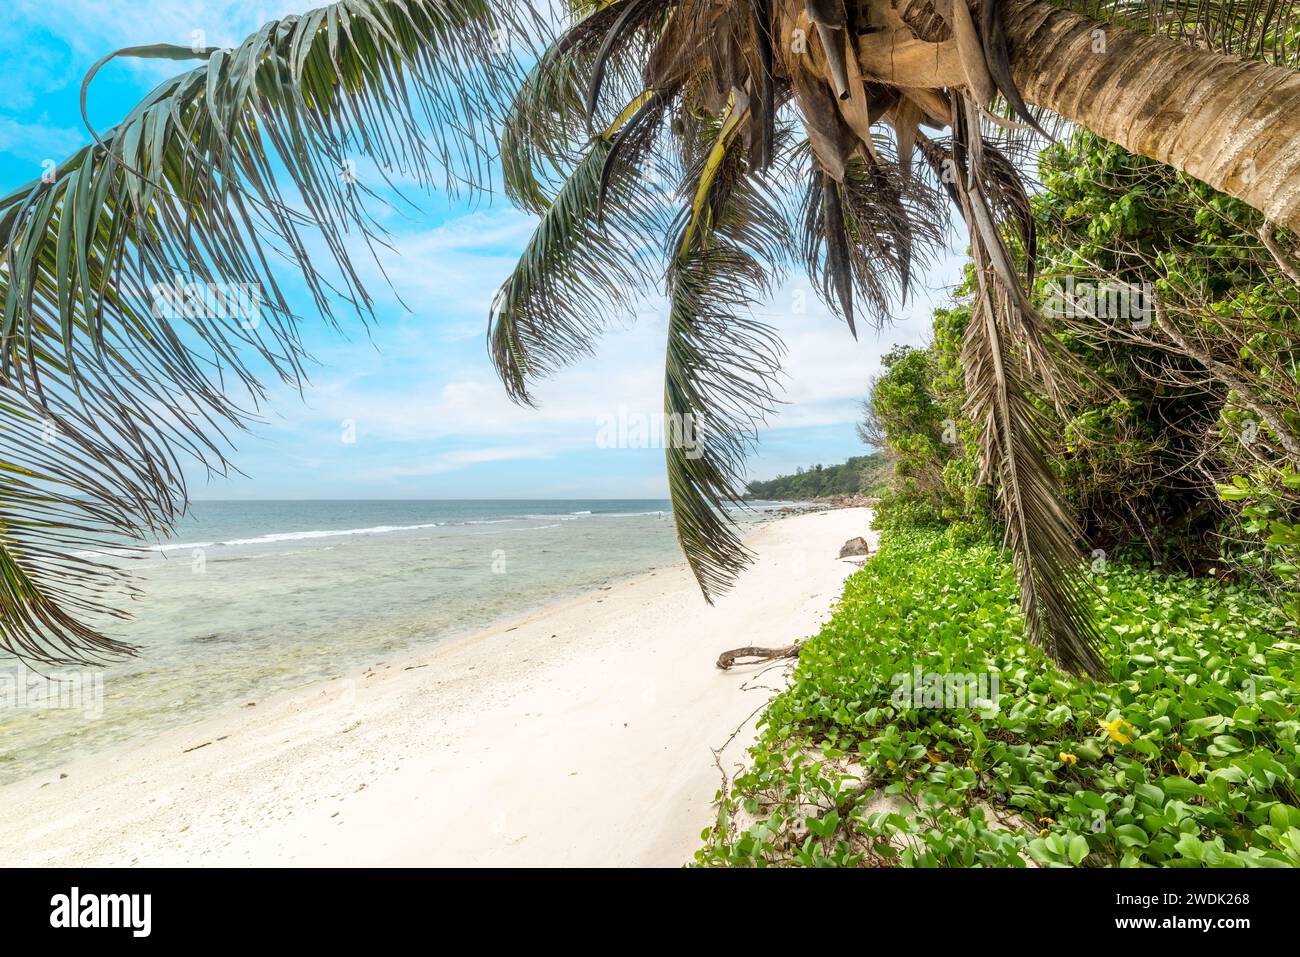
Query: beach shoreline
x=578, y=733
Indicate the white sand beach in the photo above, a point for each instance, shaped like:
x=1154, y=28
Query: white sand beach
x=581, y=734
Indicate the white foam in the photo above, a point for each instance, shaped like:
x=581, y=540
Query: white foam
x=277, y=537
x=272, y=538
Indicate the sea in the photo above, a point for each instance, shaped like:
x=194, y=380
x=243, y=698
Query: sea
x=248, y=599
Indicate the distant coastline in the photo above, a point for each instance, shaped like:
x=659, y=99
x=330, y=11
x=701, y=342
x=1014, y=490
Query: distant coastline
x=863, y=475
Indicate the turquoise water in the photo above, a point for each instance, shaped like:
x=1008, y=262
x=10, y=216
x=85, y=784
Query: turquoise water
x=251, y=598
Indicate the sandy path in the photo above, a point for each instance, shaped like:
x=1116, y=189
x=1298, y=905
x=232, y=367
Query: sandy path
x=580, y=734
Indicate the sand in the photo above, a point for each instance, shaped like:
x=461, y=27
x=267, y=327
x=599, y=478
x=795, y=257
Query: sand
x=580, y=734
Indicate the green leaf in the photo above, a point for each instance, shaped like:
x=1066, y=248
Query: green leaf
x=1130, y=835
x=1078, y=849
x=1189, y=846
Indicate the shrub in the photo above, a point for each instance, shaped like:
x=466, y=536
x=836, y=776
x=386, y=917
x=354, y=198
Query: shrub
x=1187, y=757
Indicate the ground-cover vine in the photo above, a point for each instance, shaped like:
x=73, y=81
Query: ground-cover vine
x=887, y=750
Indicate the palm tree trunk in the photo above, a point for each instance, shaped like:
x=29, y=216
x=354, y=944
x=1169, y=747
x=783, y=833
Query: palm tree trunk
x=1235, y=124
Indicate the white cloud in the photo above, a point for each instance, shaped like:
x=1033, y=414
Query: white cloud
x=422, y=385
x=38, y=141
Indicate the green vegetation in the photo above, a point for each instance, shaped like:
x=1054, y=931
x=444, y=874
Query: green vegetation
x=863, y=473
x=1181, y=447
x=1207, y=396
x=1179, y=453
x=1185, y=755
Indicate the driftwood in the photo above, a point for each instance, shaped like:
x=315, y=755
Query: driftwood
x=760, y=655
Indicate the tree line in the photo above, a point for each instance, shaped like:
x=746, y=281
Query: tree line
x=862, y=473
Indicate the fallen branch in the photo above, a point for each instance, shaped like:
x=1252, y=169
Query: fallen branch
x=760, y=655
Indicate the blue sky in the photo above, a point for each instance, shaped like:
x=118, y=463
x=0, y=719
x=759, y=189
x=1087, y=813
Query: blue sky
x=417, y=392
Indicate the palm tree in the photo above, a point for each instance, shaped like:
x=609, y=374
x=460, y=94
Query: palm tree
x=699, y=146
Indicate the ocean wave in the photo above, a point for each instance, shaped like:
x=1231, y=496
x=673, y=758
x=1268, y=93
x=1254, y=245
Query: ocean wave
x=552, y=518
x=574, y=516
x=268, y=539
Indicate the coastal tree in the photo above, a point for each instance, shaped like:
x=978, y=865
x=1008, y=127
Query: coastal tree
x=691, y=147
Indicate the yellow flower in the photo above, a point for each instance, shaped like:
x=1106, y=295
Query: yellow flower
x=1044, y=832
x=1113, y=729
x=1046, y=820
x=890, y=765
x=1067, y=758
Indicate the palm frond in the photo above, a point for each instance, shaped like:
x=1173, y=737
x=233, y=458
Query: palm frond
x=101, y=332
x=75, y=477
x=547, y=127
x=628, y=30
x=1008, y=354
x=590, y=258
x=722, y=364
x=864, y=237
x=1041, y=534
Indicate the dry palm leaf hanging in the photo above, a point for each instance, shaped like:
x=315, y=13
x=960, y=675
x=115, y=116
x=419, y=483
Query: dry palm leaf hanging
x=742, y=101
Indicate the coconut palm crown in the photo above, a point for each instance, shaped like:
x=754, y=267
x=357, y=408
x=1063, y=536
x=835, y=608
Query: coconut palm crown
x=695, y=148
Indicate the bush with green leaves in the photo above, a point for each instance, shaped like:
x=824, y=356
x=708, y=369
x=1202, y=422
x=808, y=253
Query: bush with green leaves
x=1142, y=465
x=1273, y=553
x=1139, y=453
x=1186, y=756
